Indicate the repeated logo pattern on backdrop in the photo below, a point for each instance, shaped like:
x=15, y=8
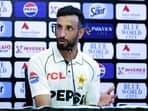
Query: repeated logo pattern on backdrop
x=116, y=35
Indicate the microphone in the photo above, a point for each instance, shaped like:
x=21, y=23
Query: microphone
x=66, y=62
x=73, y=79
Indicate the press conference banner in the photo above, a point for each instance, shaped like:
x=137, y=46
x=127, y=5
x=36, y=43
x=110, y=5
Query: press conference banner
x=116, y=37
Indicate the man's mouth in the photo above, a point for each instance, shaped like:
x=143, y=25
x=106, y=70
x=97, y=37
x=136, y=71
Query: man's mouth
x=61, y=41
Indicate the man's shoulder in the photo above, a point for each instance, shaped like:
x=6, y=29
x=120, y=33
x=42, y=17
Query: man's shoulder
x=91, y=62
x=89, y=59
x=43, y=54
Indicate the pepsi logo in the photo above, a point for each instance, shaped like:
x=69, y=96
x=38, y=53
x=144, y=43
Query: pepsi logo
x=102, y=70
x=30, y=9
x=33, y=77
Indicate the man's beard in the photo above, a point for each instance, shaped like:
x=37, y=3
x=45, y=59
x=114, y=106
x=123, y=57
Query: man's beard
x=68, y=47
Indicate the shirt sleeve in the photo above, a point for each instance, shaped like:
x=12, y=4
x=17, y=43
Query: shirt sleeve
x=37, y=77
x=93, y=94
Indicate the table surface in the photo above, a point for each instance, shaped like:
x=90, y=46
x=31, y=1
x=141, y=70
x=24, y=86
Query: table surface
x=81, y=108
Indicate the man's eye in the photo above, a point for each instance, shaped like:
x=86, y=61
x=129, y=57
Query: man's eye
x=69, y=28
x=58, y=27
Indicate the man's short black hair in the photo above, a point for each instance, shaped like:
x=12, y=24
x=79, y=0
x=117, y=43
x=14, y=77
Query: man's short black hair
x=70, y=10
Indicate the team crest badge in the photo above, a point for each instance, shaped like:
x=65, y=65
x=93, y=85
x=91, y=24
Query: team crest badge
x=81, y=80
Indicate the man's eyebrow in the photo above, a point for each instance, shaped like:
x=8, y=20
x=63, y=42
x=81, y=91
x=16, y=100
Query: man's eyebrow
x=69, y=25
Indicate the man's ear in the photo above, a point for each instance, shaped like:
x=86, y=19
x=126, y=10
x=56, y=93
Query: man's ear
x=81, y=32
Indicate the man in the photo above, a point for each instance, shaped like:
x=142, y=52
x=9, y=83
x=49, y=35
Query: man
x=63, y=75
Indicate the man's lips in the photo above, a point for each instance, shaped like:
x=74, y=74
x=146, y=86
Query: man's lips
x=62, y=41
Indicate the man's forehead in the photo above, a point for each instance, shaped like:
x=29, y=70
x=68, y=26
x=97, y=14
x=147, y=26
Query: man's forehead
x=68, y=21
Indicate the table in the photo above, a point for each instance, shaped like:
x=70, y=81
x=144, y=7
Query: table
x=79, y=109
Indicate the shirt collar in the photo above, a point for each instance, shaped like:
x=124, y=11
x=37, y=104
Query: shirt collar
x=59, y=58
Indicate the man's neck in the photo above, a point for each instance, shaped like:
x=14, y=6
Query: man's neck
x=69, y=54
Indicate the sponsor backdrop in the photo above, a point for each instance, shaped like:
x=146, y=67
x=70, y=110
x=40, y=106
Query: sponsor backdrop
x=116, y=36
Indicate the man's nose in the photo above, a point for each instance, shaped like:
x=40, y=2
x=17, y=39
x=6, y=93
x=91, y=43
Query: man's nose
x=63, y=33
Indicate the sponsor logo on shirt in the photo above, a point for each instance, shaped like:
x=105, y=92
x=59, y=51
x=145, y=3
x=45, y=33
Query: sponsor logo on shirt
x=68, y=95
x=81, y=80
x=34, y=78
x=55, y=76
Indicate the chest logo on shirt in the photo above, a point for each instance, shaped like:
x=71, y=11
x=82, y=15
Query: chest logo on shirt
x=34, y=78
x=81, y=80
x=55, y=76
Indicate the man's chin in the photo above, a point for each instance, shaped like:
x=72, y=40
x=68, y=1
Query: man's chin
x=64, y=48
x=61, y=47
